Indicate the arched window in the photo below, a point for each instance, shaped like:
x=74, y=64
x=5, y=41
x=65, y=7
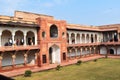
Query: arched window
x=53, y=31
x=43, y=34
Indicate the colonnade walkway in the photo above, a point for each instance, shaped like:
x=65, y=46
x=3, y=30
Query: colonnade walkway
x=51, y=66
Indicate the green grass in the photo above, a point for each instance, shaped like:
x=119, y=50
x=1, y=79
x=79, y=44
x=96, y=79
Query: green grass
x=102, y=69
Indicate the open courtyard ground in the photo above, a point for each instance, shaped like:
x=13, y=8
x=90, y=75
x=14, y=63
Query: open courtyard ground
x=102, y=69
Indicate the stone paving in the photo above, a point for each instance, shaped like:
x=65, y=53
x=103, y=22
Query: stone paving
x=51, y=66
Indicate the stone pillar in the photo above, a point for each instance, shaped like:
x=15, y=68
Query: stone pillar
x=0, y=39
x=90, y=51
x=36, y=54
x=35, y=39
x=86, y=51
x=76, y=53
x=25, y=39
x=1, y=61
x=70, y=54
x=97, y=38
x=85, y=39
x=118, y=36
x=81, y=52
x=94, y=38
x=94, y=50
x=89, y=38
x=25, y=59
x=70, y=42
x=80, y=38
x=13, y=37
x=13, y=60
x=75, y=38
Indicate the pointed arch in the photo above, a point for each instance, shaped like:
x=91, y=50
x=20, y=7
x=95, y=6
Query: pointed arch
x=53, y=31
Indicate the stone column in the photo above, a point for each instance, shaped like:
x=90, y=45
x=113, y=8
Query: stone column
x=89, y=38
x=25, y=59
x=80, y=38
x=75, y=38
x=0, y=39
x=75, y=53
x=85, y=39
x=25, y=39
x=86, y=51
x=70, y=42
x=94, y=38
x=90, y=51
x=81, y=52
x=13, y=60
x=1, y=61
x=13, y=37
x=35, y=39
x=94, y=50
x=70, y=54
x=36, y=54
x=97, y=38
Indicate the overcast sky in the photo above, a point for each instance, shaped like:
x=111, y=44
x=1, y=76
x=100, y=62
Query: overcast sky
x=87, y=12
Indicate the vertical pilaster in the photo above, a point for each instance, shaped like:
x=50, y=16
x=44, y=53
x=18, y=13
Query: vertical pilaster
x=36, y=54
x=70, y=42
x=35, y=39
x=25, y=39
x=81, y=52
x=1, y=57
x=86, y=51
x=89, y=38
x=80, y=38
x=70, y=54
x=13, y=37
x=0, y=40
x=76, y=53
x=75, y=38
x=25, y=59
x=13, y=60
x=94, y=50
x=93, y=38
x=85, y=39
x=90, y=51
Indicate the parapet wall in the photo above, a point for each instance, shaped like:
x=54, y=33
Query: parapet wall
x=30, y=16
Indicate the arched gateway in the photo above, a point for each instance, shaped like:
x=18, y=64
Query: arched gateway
x=54, y=54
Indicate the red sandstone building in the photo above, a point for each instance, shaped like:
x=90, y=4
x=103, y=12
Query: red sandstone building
x=29, y=39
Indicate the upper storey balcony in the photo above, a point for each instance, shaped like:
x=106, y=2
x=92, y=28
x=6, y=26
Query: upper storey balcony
x=18, y=48
x=76, y=39
x=82, y=40
x=17, y=34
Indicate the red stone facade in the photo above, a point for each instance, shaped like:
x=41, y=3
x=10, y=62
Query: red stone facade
x=46, y=42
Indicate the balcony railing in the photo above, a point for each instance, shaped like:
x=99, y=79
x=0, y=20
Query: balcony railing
x=93, y=44
x=110, y=43
x=17, y=48
x=84, y=44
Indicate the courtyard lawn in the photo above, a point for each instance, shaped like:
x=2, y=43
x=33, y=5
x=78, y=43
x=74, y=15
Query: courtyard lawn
x=102, y=69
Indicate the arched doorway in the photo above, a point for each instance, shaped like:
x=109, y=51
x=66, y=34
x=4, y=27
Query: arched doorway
x=92, y=40
x=30, y=38
x=111, y=51
x=115, y=37
x=19, y=37
x=6, y=35
x=54, y=54
x=73, y=38
x=87, y=38
x=78, y=38
x=83, y=38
